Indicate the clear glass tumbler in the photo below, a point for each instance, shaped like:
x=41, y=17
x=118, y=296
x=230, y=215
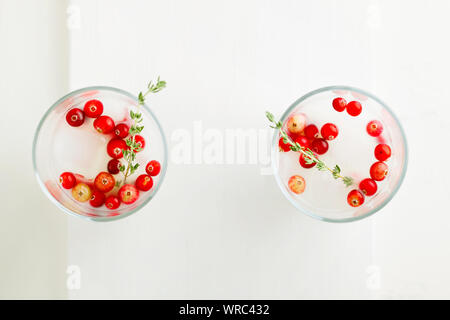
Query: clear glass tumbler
x=325, y=198
x=58, y=148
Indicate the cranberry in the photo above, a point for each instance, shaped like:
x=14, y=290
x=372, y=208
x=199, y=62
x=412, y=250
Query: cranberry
x=144, y=182
x=311, y=131
x=285, y=147
x=354, y=108
x=302, y=141
x=378, y=171
x=153, y=168
x=93, y=108
x=368, y=187
x=319, y=145
x=128, y=193
x=75, y=117
x=115, y=147
x=296, y=123
x=382, y=152
x=121, y=130
x=329, y=131
x=104, y=182
x=355, y=198
x=81, y=192
x=97, y=199
x=114, y=166
x=104, y=124
x=374, y=128
x=112, y=202
x=140, y=141
x=297, y=184
x=303, y=163
x=67, y=180
x=339, y=104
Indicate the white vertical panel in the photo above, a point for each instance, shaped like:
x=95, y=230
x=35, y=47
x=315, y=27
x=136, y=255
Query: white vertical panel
x=33, y=232
x=412, y=68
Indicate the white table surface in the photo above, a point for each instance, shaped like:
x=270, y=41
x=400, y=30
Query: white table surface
x=226, y=230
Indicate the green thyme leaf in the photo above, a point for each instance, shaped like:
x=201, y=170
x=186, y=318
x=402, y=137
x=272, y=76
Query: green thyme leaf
x=336, y=172
x=348, y=181
x=141, y=98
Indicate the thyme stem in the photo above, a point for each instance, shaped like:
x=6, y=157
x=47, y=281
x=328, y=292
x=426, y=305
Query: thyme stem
x=134, y=147
x=309, y=155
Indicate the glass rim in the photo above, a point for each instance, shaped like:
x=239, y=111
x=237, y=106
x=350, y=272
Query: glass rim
x=60, y=205
x=275, y=150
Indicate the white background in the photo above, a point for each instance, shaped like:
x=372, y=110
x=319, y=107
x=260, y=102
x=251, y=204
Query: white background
x=226, y=231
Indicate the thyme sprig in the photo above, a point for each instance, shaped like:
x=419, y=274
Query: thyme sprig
x=136, y=128
x=309, y=155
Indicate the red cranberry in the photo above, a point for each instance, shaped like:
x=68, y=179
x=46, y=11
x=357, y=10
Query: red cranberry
x=75, y=117
x=93, y=108
x=153, y=168
x=104, y=124
x=329, y=131
x=144, y=182
x=311, y=131
x=382, y=152
x=339, y=104
x=121, y=130
x=368, y=187
x=374, y=128
x=114, y=166
x=378, y=171
x=355, y=198
x=319, y=145
x=354, y=108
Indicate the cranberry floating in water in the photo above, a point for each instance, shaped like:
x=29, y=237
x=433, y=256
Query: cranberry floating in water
x=75, y=117
x=104, y=182
x=144, y=182
x=153, y=168
x=305, y=161
x=374, y=128
x=354, y=108
x=93, y=108
x=382, y=152
x=67, y=180
x=329, y=131
x=378, y=171
x=112, y=202
x=285, y=147
x=355, y=198
x=296, y=123
x=339, y=104
x=121, y=130
x=97, y=199
x=128, y=194
x=319, y=145
x=114, y=166
x=311, y=131
x=115, y=147
x=104, y=124
x=297, y=184
x=368, y=187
